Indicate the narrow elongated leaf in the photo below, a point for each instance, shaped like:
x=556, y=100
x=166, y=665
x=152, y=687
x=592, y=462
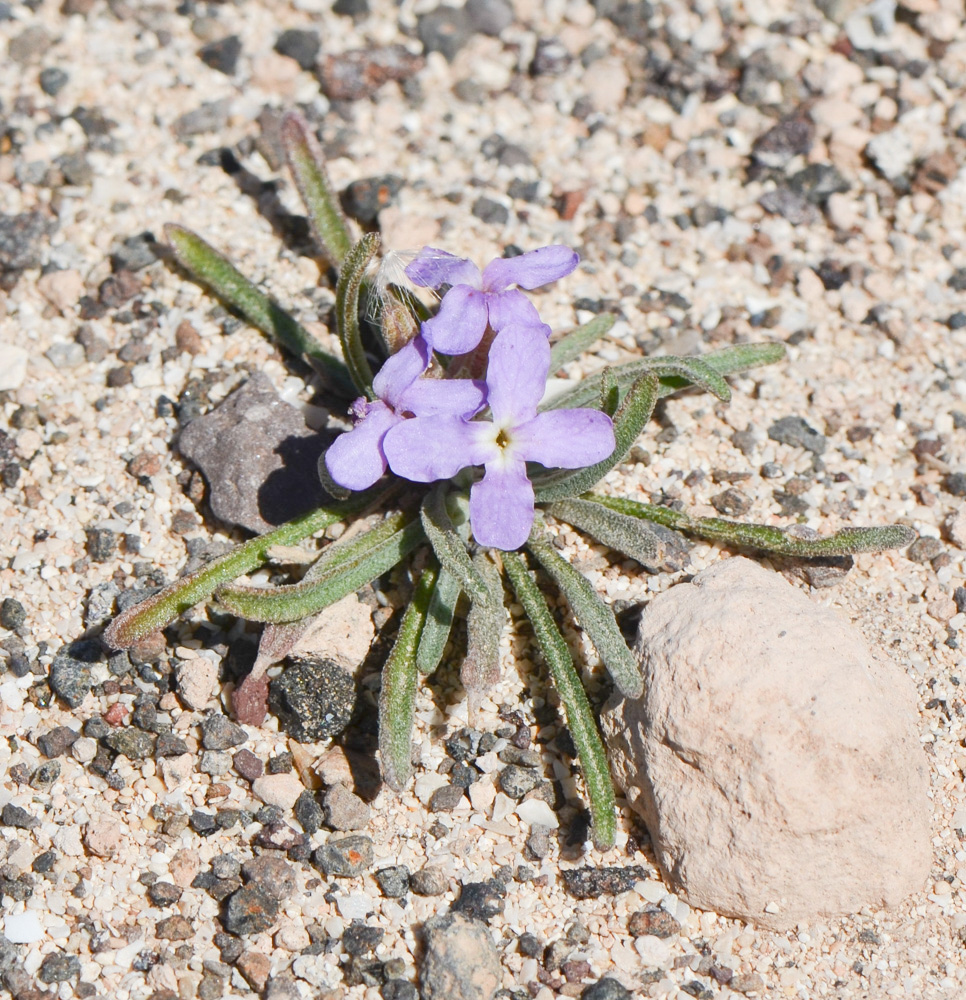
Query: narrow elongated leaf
x=217, y=272
x=628, y=535
x=610, y=392
x=766, y=537
x=580, y=717
x=484, y=628
x=439, y=621
x=397, y=698
x=353, y=272
x=358, y=563
x=304, y=157
x=594, y=616
x=449, y=547
x=162, y=608
x=629, y=421
x=575, y=343
x=728, y=361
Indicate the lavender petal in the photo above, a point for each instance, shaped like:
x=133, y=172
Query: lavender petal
x=458, y=397
x=432, y=268
x=501, y=506
x=513, y=307
x=425, y=449
x=516, y=376
x=530, y=270
x=401, y=370
x=460, y=323
x=566, y=439
x=355, y=460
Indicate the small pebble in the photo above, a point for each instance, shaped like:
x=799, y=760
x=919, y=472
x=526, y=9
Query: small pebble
x=393, y=881
x=299, y=44
x=222, y=55
x=219, y=733
x=344, y=810
x=429, y=882
x=250, y=910
x=344, y=856
x=653, y=920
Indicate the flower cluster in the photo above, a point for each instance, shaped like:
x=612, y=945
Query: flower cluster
x=426, y=428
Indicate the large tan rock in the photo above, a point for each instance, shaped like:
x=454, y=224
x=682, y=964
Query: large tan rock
x=774, y=757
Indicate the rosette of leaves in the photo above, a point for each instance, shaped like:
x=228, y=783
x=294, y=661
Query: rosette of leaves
x=429, y=526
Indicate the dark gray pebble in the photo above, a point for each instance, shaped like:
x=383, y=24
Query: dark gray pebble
x=445, y=30
x=274, y=876
x=516, y=781
x=783, y=142
x=605, y=989
x=429, y=882
x=313, y=699
x=45, y=862
x=481, y=900
x=70, y=673
x=17, y=817
x=164, y=893
x=222, y=55
x=21, y=237
x=226, y=866
x=344, y=856
x=818, y=182
x=520, y=756
x=493, y=212
x=135, y=253
x=131, y=742
x=731, y=502
x=58, y=968
x=356, y=9
x=300, y=44
x=202, y=823
x=101, y=543
x=924, y=549
x=398, y=989
x=308, y=812
x=212, y=116
x=169, y=745
x=393, y=881
x=12, y=613
x=56, y=741
x=218, y=732
x=250, y=910
x=796, y=432
x=445, y=799
x=489, y=17
x=550, y=58
x=360, y=939
x=955, y=483
x=589, y=883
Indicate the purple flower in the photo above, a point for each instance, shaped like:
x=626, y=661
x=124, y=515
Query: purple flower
x=476, y=299
x=356, y=459
x=501, y=504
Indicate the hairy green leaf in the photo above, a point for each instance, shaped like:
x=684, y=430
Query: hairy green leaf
x=353, y=273
x=439, y=621
x=766, y=537
x=628, y=535
x=449, y=547
x=345, y=568
x=594, y=616
x=305, y=160
x=397, y=698
x=484, y=627
x=629, y=421
x=217, y=272
x=572, y=345
x=580, y=717
x=671, y=371
x=163, y=607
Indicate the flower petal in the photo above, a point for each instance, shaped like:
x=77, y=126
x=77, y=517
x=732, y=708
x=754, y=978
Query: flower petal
x=455, y=397
x=460, y=323
x=516, y=376
x=530, y=270
x=355, y=460
x=501, y=506
x=566, y=439
x=513, y=306
x=425, y=449
x=432, y=268
x=400, y=370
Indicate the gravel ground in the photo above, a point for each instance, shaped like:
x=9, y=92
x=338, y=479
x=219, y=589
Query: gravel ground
x=779, y=172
